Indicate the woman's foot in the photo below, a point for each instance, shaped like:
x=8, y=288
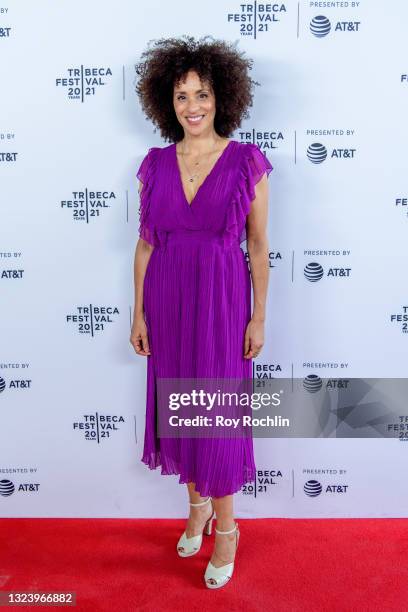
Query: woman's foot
x=220, y=568
x=224, y=547
x=198, y=518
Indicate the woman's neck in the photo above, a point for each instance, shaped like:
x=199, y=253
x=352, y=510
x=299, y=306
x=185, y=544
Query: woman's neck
x=202, y=143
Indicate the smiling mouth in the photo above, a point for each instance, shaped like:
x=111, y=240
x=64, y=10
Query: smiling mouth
x=195, y=118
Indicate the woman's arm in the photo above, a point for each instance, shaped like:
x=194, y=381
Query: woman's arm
x=138, y=336
x=258, y=251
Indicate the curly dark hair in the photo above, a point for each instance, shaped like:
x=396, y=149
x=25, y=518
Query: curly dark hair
x=166, y=61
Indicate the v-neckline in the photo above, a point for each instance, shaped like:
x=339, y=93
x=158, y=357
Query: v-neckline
x=177, y=168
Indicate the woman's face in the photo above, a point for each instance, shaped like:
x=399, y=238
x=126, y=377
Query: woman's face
x=194, y=104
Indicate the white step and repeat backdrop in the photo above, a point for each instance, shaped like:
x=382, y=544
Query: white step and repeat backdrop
x=333, y=94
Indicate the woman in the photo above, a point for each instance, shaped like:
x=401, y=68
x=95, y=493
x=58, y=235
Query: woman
x=200, y=198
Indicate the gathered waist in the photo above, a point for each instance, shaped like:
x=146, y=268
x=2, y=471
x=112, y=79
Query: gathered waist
x=184, y=236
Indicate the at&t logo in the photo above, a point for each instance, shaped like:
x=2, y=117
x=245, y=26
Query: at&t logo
x=320, y=26
x=11, y=274
x=312, y=383
x=8, y=157
x=313, y=488
x=15, y=384
x=314, y=272
x=317, y=153
x=7, y=487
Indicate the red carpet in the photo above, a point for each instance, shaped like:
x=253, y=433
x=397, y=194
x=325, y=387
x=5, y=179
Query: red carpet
x=282, y=565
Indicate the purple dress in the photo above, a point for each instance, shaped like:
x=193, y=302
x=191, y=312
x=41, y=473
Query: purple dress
x=197, y=301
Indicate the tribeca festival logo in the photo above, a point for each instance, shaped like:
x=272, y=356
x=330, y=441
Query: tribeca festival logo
x=88, y=204
x=401, y=319
x=96, y=427
x=91, y=319
x=320, y=25
x=267, y=140
x=265, y=480
x=274, y=259
x=313, y=271
x=402, y=204
x=266, y=371
x=256, y=17
x=83, y=82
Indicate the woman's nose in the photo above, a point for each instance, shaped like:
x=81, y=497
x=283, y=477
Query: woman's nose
x=193, y=106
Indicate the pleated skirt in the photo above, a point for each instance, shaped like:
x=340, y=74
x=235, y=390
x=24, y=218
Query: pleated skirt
x=197, y=302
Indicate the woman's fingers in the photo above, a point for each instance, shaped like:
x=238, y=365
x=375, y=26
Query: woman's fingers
x=246, y=343
x=252, y=348
x=145, y=342
x=140, y=343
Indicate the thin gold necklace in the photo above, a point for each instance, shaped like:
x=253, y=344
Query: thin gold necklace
x=192, y=176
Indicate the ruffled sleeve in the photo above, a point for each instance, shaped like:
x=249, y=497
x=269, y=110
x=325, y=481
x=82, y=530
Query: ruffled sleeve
x=146, y=174
x=258, y=164
x=252, y=167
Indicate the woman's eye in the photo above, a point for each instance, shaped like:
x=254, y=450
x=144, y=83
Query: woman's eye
x=181, y=97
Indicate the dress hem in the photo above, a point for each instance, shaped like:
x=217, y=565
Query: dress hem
x=201, y=489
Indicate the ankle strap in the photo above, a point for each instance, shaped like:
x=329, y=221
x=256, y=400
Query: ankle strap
x=201, y=503
x=226, y=532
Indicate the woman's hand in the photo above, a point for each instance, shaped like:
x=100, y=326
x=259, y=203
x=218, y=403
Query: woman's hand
x=138, y=336
x=254, y=338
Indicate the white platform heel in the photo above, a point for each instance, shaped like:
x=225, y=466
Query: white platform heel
x=217, y=577
x=187, y=547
